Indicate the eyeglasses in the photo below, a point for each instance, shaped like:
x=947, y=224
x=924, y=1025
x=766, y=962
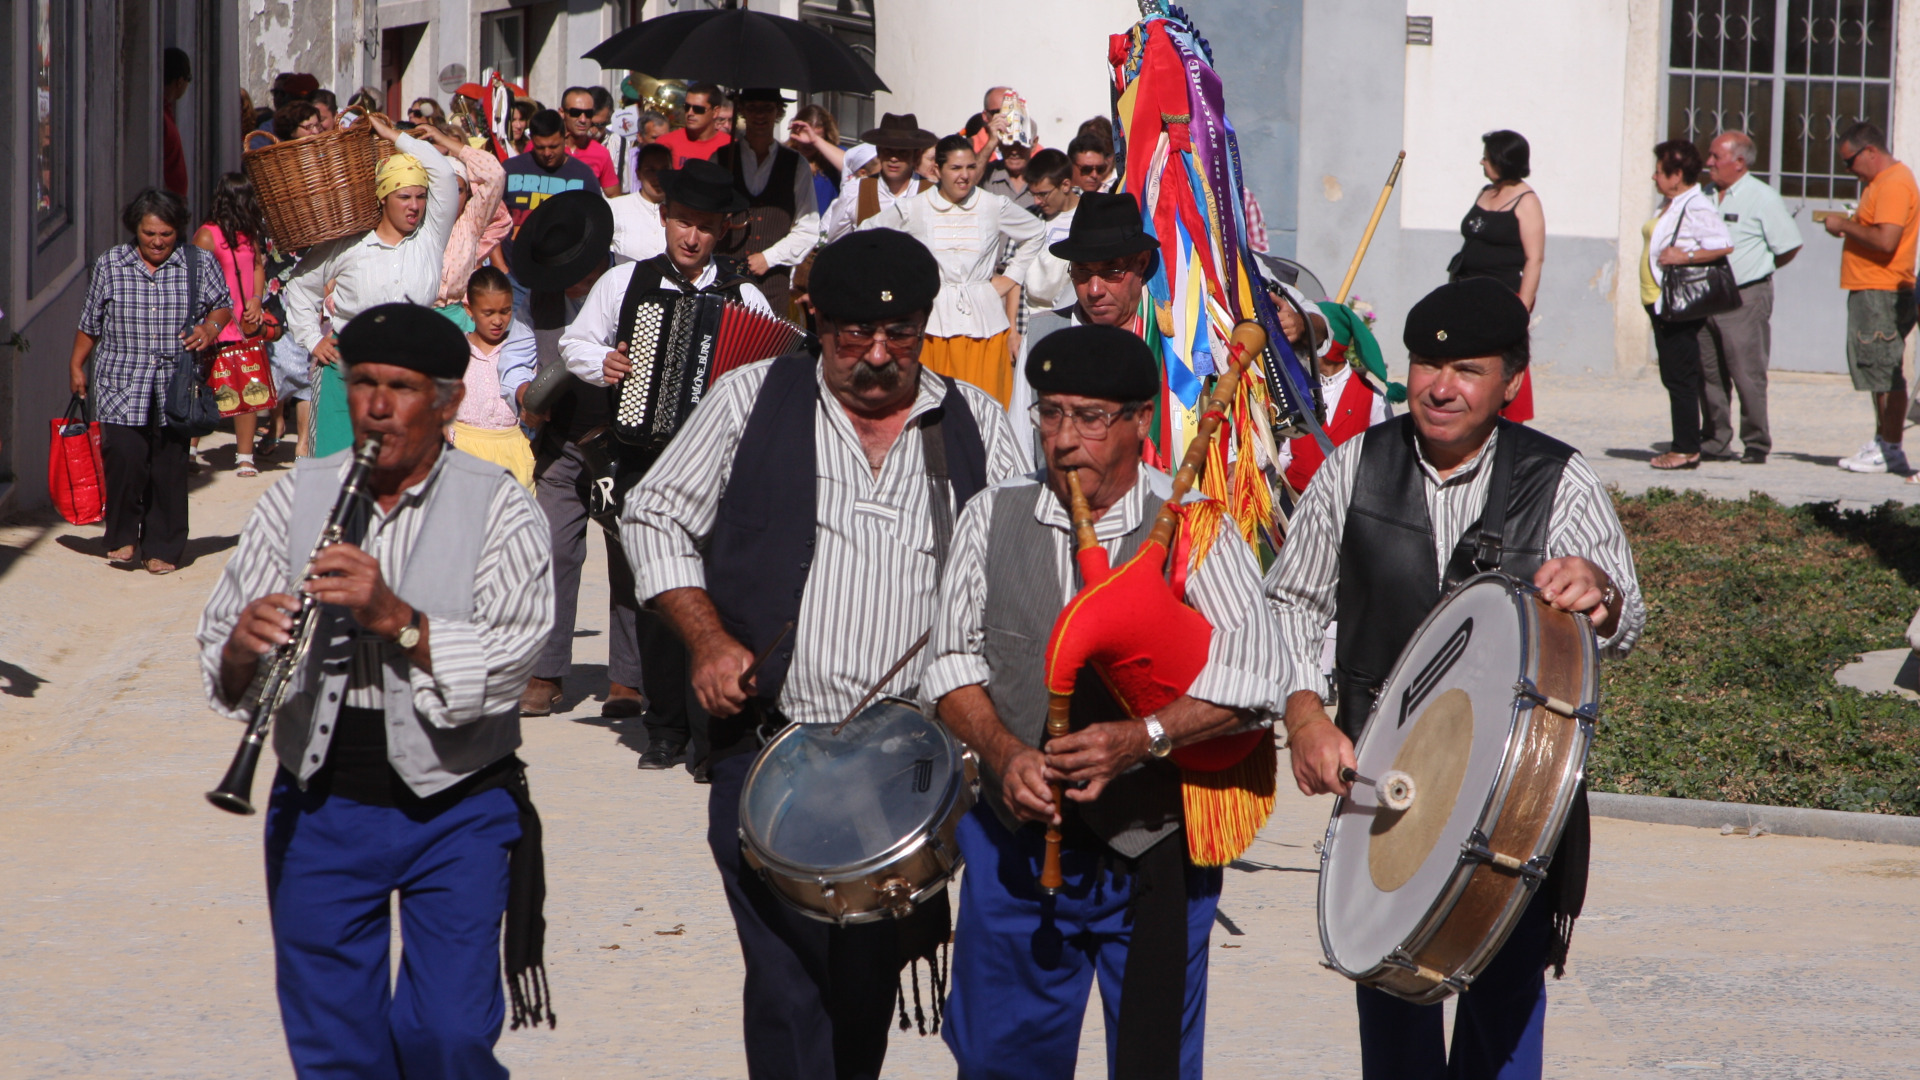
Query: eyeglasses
x=1081, y=273
x=1848, y=161
x=1090, y=422
x=580, y=114
x=699, y=110
x=900, y=338
x=417, y=114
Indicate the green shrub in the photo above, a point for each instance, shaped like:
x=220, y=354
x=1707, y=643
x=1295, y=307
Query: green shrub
x=1751, y=608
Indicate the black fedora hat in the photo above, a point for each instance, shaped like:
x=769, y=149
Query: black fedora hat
x=761, y=93
x=1104, y=227
x=564, y=238
x=900, y=131
x=702, y=185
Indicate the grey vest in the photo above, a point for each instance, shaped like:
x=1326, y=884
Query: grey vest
x=438, y=579
x=1141, y=806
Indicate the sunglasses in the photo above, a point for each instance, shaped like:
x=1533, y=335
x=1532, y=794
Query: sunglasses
x=580, y=114
x=699, y=110
x=1848, y=161
x=1112, y=275
x=416, y=114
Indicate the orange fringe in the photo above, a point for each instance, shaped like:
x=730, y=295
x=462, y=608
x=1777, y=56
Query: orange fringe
x=1225, y=810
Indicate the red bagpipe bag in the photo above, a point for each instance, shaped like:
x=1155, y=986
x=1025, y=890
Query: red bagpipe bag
x=1132, y=626
x=242, y=377
x=75, y=475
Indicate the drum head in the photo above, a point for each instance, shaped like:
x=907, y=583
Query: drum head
x=822, y=803
x=1444, y=718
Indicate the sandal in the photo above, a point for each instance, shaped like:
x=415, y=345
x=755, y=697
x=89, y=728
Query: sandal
x=160, y=569
x=121, y=555
x=246, y=468
x=1671, y=460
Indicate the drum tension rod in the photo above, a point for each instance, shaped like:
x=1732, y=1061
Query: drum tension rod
x=1399, y=958
x=1477, y=846
x=1585, y=713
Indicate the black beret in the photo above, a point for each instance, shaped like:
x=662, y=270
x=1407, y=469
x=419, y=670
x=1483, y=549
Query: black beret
x=409, y=336
x=873, y=274
x=1470, y=317
x=1094, y=361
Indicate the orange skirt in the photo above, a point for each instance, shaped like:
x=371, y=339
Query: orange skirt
x=985, y=362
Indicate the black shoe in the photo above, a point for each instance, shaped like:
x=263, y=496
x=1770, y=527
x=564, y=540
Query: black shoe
x=702, y=771
x=662, y=756
x=1753, y=457
x=1709, y=455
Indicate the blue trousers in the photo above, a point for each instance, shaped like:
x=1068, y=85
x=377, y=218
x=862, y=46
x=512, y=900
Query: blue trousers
x=332, y=865
x=1498, y=1025
x=1024, y=962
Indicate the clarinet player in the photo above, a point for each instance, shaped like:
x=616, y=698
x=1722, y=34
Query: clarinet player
x=396, y=744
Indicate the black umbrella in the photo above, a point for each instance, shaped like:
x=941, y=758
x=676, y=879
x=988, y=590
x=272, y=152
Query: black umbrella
x=738, y=48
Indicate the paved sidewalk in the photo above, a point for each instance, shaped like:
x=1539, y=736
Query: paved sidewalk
x=136, y=941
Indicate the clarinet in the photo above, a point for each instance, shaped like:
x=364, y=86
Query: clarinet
x=270, y=684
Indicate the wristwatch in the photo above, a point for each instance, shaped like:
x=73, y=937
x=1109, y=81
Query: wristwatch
x=409, y=635
x=1157, y=742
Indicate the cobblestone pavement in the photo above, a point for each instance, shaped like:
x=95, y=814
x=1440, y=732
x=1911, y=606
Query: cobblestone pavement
x=135, y=941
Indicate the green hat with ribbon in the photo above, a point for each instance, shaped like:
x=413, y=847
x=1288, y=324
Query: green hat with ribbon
x=1363, y=351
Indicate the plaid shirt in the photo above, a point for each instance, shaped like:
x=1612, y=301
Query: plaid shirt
x=1256, y=224
x=137, y=316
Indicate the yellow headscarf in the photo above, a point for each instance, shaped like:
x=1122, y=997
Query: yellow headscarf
x=399, y=171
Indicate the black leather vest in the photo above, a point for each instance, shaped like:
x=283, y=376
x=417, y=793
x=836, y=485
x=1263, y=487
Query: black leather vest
x=761, y=548
x=1388, y=579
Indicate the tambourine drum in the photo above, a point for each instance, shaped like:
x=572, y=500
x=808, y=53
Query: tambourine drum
x=1488, y=714
x=858, y=826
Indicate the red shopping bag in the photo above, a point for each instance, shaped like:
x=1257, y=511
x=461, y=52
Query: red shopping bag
x=75, y=477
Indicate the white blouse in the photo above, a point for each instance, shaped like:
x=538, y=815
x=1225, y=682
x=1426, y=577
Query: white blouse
x=966, y=238
x=1690, y=221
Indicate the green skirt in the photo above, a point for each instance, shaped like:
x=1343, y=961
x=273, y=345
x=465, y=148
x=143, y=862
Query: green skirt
x=332, y=424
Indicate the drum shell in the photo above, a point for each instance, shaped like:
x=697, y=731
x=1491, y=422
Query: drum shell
x=1523, y=815
x=888, y=885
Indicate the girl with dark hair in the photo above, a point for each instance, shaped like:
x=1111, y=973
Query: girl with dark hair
x=969, y=331
x=236, y=234
x=147, y=301
x=523, y=111
x=1688, y=229
x=1505, y=235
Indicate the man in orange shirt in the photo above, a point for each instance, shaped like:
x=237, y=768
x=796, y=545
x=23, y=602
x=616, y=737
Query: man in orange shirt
x=1876, y=269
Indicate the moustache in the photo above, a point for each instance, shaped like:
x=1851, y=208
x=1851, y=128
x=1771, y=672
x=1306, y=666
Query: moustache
x=868, y=377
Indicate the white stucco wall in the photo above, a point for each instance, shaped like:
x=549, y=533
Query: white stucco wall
x=1550, y=71
x=939, y=58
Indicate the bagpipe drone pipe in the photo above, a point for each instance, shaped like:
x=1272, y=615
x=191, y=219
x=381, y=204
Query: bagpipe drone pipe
x=1131, y=625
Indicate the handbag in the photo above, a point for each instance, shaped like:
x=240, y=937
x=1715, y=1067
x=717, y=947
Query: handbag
x=242, y=374
x=191, y=409
x=1696, y=291
x=75, y=474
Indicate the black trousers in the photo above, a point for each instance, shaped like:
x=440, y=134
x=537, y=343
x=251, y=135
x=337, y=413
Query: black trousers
x=818, y=999
x=146, y=490
x=665, y=675
x=1678, y=346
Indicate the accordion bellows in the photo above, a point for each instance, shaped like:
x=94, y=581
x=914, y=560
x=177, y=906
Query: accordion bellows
x=679, y=345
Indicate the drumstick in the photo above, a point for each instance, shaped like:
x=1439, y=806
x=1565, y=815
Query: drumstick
x=912, y=651
x=746, y=677
x=1379, y=208
x=1396, y=788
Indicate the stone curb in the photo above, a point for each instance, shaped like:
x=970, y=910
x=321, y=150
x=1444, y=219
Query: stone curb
x=1780, y=820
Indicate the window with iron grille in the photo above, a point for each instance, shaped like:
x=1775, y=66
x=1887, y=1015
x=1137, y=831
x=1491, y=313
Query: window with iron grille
x=1792, y=74
x=852, y=22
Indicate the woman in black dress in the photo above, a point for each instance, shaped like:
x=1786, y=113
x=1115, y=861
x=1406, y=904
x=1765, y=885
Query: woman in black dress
x=1505, y=235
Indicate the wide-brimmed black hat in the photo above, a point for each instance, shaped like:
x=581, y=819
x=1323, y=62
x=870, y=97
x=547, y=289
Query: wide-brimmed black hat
x=1104, y=227
x=900, y=131
x=702, y=185
x=761, y=93
x=564, y=238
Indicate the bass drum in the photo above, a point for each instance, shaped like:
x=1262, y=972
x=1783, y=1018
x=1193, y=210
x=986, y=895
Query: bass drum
x=858, y=825
x=1490, y=711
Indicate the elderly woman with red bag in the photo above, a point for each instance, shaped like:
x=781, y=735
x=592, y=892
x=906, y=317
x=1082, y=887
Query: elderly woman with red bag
x=147, y=302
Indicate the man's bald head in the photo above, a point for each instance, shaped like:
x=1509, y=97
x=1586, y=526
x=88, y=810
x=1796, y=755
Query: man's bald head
x=1730, y=156
x=995, y=98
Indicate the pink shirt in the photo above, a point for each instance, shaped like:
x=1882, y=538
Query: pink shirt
x=595, y=157
x=483, y=407
x=480, y=225
x=234, y=261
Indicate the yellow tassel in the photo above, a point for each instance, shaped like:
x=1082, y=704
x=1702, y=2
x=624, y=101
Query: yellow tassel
x=1226, y=809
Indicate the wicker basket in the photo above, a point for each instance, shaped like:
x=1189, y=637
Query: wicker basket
x=318, y=188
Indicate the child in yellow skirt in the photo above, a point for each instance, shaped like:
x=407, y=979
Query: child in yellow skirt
x=488, y=423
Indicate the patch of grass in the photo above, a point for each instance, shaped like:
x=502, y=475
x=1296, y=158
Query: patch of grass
x=1751, y=607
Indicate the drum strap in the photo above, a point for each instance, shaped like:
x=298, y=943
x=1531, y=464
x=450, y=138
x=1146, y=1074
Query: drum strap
x=933, y=443
x=1491, y=545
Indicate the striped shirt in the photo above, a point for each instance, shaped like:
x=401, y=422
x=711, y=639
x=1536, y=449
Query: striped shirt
x=137, y=313
x=480, y=664
x=873, y=585
x=1303, y=583
x=1244, y=658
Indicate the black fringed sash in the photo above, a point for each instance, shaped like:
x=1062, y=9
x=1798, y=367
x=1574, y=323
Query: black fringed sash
x=526, y=923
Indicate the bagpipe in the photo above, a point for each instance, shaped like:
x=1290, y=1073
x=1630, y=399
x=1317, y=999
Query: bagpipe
x=1130, y=624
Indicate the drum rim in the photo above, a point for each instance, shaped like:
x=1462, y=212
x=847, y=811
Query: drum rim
x=1521, y=594
x=900, y=848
